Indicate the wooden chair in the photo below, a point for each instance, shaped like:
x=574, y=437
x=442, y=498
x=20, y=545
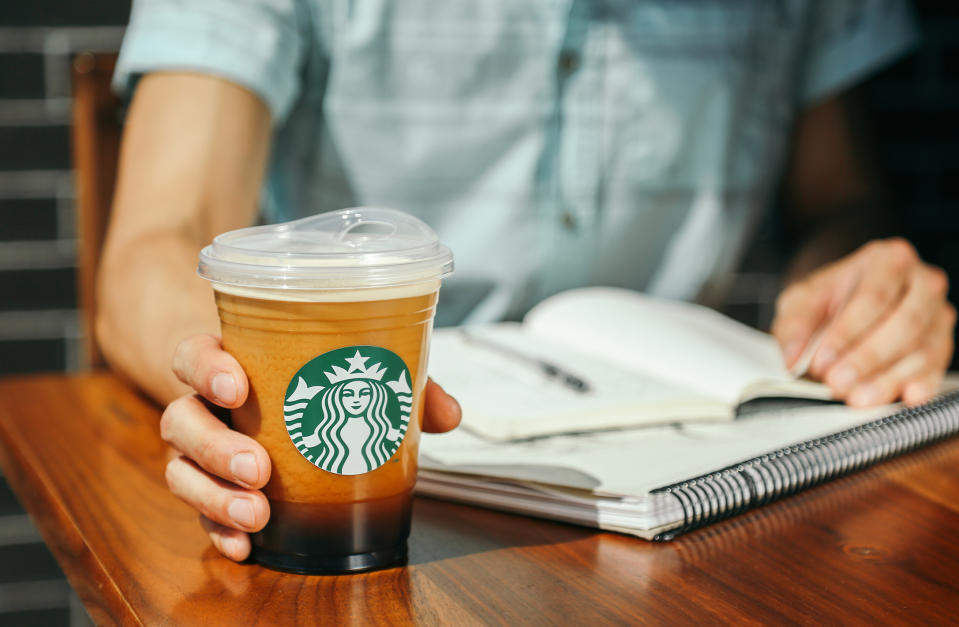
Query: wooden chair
x=96, y=147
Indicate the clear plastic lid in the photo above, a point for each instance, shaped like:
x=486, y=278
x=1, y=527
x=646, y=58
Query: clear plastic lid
x=349, y=249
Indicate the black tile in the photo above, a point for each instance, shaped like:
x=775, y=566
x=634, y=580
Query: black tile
x=913, y=157
x=53, y=617
x=904, y=125
x=747, y=313
x=23, y=356
x=27, y=562
x=38, y=289
x=34, y=147
x=929, y=9
x=28, y=219
x=64, y=12
x=936, y=218
x=949, y=58
x=21, y=76
x=9, y=504
x=904, y=185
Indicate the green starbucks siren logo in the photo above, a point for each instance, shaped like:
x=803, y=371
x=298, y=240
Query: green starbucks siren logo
x=345, y=416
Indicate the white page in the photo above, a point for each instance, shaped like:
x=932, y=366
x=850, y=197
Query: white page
x=691, y=346
x=636, y=461
x=504, y=397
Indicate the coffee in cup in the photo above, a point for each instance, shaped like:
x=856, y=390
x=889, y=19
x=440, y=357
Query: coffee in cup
x=330, y=317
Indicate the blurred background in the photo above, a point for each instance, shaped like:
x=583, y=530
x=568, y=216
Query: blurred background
x=911, y=108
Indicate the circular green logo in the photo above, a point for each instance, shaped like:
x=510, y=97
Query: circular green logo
x=347, y=410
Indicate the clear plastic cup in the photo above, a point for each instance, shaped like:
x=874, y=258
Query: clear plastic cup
x=330, y=317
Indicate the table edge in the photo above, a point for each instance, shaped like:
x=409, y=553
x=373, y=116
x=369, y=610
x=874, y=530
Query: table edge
x=59, y=530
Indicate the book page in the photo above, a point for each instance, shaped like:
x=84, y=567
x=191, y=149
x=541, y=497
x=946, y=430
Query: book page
x=691, y=346
x=493, y=372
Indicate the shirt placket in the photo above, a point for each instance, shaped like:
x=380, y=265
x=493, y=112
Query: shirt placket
x=570, y=209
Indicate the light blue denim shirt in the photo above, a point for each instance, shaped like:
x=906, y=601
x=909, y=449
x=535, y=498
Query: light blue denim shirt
x=551, y=143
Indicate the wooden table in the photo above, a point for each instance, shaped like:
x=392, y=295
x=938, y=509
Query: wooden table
x=84, y=456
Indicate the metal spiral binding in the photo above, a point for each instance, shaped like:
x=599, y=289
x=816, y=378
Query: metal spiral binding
x=760, y=480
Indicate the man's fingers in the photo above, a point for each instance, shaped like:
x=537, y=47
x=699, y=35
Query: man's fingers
x=231, y=543
x=886, y=386
x=800, y=309
x=888, y=265
x=190, y=428
x=442, y=412
x=922, y=389
x=221, y=502
x=916, y=377
x=901, y=332
x=201, y=363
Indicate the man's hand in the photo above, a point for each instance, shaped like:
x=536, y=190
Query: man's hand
x=220, y=472
x=887, y=329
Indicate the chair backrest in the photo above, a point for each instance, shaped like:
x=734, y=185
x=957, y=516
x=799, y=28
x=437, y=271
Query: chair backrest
x=96, y=147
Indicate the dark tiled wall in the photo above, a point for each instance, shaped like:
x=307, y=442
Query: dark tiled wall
x=38, y=322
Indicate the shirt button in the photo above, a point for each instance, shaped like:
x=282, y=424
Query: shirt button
x=568, y=61
x=569, y=220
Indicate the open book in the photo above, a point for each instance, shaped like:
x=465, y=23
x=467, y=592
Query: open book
x=640, y=360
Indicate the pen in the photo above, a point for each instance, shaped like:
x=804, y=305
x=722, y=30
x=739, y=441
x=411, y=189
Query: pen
x=547, y=369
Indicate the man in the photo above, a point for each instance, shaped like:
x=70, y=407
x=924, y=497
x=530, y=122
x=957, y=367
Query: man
x=552, y=144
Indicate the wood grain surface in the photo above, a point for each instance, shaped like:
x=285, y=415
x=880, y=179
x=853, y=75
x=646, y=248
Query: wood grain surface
x=84, y=456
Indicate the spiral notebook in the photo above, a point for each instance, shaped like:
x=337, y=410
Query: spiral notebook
x=659, y=482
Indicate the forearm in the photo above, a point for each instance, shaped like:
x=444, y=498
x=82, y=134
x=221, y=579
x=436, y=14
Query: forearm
x=149, y=307
x=192, y=161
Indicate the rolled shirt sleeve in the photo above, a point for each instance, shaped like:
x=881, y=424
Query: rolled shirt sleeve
x=850, y=39
x=257, y=44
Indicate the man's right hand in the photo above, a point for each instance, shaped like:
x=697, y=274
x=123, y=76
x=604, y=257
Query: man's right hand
x=218, y=471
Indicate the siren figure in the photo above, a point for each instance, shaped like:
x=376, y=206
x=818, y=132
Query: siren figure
x=354, y=427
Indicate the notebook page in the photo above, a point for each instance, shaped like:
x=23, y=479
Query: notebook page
x=504, y=396
x=693, y=347
x=634, y=462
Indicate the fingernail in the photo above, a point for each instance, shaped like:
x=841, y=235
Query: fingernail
x=224, y=388
x=842, y=378
x=864, y=396
x=231, y=546
x=243, y=467
x=241, y=511
x=825, y=357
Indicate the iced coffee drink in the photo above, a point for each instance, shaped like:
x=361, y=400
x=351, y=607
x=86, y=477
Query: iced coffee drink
x=330, y=317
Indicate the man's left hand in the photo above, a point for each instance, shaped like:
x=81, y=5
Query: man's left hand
x=886, y=326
